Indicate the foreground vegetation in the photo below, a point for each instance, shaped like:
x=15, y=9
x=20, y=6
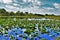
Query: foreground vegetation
x=26, y=29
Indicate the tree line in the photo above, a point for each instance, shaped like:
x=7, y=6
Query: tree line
x=3, y=12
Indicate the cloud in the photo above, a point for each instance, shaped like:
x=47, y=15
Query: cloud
x=25, y=0
x=15, y=4
x=48, y=8
x=57, y=5
x=34, y=2
x=15, y=1
x=7, y=1
x=0, y=0
x=31, y=6
x=11, y=7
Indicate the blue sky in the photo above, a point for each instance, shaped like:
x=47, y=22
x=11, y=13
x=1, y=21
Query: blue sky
x=32, y=6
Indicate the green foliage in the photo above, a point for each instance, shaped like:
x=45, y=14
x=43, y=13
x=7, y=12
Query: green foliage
x=43, y=39
x=7, y=23
x=58, y=38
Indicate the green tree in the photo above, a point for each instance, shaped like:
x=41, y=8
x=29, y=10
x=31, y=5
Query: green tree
x=12, y=13
x=6, y=14
x=26, y=13
x=18, y=13
x=2, y=12
x=22, y=14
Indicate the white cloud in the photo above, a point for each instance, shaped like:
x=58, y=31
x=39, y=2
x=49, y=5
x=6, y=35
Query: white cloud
x=57, y=5
x=7, y=1
x=48, y=8
x=25, y=0
x=35, y=2
x=38, y=2
x=29, y=0
x=0, y=0
x=11, y=7
x=15, y=0
x=15, y=4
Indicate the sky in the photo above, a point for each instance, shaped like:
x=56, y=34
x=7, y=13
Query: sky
x=32, y=6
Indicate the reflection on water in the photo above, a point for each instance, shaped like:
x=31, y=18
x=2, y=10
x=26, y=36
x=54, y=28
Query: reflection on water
x=14, y=19
x=34, y=19
x=38, y=19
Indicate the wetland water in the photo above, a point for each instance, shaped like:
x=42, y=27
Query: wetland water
x=29, y=29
